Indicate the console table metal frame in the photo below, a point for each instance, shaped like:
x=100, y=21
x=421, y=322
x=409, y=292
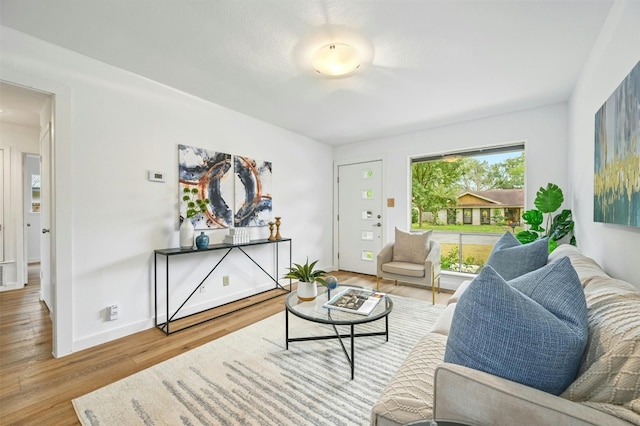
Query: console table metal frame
x=168, y=253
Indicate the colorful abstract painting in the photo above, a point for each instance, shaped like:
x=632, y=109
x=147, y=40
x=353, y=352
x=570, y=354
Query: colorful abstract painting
x=617, y=155
x=252, y=192
x=209, y=172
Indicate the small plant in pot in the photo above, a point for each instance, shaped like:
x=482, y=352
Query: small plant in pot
x=194, y=206
x=307, y=278
x=548, y=200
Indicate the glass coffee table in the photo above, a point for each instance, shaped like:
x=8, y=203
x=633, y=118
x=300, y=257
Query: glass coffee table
x=314, y=311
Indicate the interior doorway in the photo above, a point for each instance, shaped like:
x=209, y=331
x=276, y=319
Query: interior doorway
x=25, y=130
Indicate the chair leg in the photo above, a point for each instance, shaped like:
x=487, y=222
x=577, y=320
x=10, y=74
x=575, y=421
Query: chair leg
x=377, y=283
x=395, y=282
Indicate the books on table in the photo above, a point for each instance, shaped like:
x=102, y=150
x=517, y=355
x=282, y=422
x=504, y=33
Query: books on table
x=355, y=300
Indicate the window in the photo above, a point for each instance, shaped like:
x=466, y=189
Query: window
x=469, y=199
x=467, y=216
x=485, y=217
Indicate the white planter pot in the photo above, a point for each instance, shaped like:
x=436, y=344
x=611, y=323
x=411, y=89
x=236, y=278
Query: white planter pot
x=186, y=234
x=307, y=291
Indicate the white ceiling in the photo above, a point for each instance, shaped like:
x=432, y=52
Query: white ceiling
x=432, y=61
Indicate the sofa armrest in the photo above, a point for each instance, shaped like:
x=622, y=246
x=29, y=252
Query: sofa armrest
x=385, y=256
x=473, y=397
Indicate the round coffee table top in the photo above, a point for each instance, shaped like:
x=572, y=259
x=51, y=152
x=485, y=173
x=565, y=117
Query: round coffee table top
x=316, y=312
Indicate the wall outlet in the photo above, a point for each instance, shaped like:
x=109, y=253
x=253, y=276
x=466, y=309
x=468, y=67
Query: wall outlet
x=112, y=312
x=203, y=289
x=225, y=280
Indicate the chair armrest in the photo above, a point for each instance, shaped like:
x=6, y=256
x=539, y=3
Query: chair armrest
x=472, y=397
x=433, y=261
x=385, y=256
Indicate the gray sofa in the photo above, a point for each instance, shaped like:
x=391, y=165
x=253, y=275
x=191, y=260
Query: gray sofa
x=605, y=392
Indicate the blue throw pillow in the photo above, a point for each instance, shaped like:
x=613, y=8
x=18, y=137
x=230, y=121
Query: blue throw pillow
x=536, y=338
x=510, y=258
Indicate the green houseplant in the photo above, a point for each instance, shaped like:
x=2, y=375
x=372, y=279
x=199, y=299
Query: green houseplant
x=548, y=201
x=307, y=278
x=195, y=205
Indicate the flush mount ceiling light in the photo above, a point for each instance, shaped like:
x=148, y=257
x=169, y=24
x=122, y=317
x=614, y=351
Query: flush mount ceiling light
x=336, y=60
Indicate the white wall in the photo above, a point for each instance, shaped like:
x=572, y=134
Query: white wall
x=617, y=51
x=122, y=126
x=544, y=131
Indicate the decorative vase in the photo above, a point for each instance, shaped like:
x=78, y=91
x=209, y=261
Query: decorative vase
x=271, y=236
x=186, y=234
x=202, y=241
x=278, y=236
x=307, y=291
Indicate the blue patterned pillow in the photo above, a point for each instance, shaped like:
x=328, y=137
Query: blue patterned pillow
x=510, y=258
x=532, y=330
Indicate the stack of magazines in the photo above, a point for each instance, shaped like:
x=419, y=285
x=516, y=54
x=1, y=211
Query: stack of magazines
x=355, y=300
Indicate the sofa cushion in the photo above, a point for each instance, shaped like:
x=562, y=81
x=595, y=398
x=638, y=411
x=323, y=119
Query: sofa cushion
x=510, y=258
x=610, y=370
x=535, y=339
x=411, y=247
x=408, y=397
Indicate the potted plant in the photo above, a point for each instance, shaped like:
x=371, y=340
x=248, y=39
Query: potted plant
x=547, y=201
x=307, y=278
x=195, y=206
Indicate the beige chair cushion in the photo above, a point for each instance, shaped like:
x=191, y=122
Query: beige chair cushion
x=411, y=248
x=404, y=268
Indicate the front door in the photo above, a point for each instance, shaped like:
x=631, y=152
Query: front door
x=359, y=216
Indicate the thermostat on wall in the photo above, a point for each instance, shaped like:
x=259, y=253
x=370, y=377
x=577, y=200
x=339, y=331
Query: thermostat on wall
x=155, y=176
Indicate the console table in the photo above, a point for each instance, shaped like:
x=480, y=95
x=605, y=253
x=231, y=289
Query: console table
x=170, y=252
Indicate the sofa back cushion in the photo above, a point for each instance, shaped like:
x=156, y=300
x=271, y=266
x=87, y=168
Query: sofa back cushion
x=610, y=370
x=536, y=339
x=511, y=259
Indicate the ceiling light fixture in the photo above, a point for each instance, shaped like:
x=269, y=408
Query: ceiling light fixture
x=336, y=60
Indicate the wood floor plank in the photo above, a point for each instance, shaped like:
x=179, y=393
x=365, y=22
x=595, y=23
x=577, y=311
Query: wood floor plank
x=37, y=389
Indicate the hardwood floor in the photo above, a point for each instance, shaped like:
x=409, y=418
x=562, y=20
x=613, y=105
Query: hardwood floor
x=37, y=389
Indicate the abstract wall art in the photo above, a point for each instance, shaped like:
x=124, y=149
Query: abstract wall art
x=209, y=172
x=617, y=155
x=252, y=192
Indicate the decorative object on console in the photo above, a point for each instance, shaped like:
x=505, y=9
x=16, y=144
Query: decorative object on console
x=237, y=236
x=511, y=259
x=195, y=206
x=616, y=197
x=206, y=172
x=532, y=329
x=307, y=278
x=271, y=236
x=202, y=241
x=252, y=192
x=278, y=236
x=186, y=234
x=548, y=200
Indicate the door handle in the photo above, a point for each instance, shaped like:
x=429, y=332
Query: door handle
x=45, y=230
x=377, y=224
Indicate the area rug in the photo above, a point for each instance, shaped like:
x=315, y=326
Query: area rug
x=249, y=378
